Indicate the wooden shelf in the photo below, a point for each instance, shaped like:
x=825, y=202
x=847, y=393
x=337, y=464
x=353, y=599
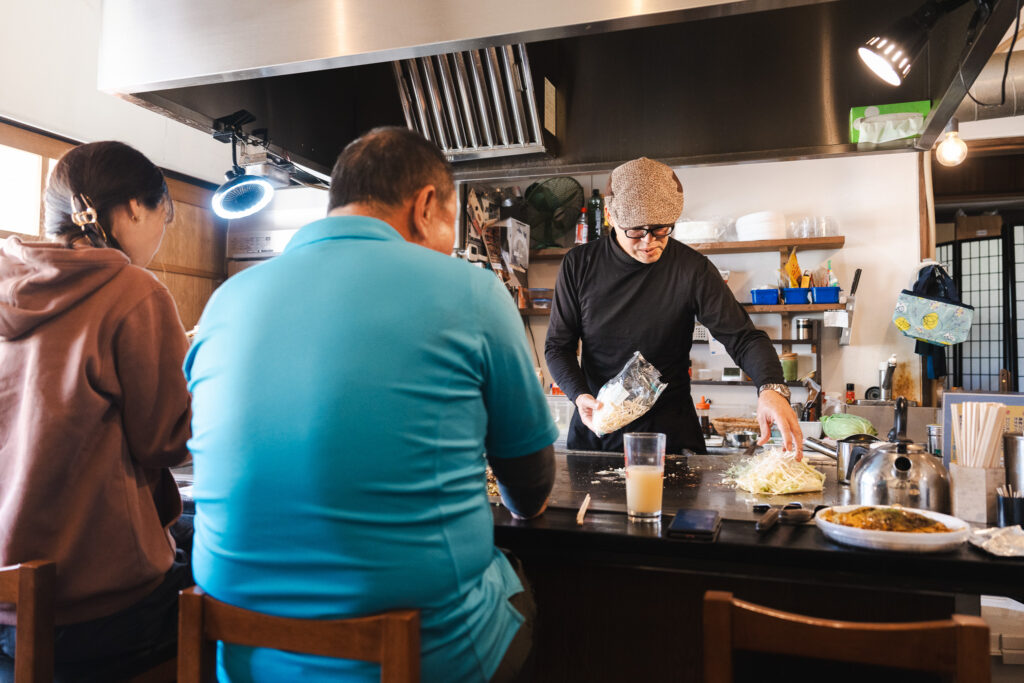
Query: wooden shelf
x=810, y=342
x=746, y=247
x=769, y=245
x=552, y=254
x=792, y=308
x=750, y=308
x=735, y=383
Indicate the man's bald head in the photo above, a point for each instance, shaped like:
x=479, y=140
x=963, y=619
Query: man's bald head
x=387, y=166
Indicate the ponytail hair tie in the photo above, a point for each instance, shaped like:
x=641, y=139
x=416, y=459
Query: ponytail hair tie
x=84, y=215
x=82, y=211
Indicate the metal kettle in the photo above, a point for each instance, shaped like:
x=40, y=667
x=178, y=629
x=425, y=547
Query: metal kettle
x=900, y=472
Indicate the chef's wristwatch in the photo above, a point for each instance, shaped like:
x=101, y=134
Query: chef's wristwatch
x=781, y=389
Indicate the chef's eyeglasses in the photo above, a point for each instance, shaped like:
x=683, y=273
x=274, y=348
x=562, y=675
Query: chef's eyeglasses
x=642, y=231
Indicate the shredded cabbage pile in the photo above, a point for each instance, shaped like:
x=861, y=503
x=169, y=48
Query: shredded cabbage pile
x=774, y=472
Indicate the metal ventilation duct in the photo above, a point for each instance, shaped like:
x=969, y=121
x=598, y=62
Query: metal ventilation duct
x=988, y=87
x=472, y=104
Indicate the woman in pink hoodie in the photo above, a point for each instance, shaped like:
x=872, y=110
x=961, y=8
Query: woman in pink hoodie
x=93, y=410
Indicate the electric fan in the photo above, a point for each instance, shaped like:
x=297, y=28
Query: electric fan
x=552, y=209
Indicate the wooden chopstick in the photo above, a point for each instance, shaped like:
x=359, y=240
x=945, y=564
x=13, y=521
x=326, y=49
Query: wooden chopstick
x=583, y=510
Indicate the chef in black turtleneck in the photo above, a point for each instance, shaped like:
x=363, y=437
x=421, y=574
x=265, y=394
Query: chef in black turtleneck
x=637, y=290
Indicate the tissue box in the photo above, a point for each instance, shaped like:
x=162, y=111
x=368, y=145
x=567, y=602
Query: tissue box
x=883, y=114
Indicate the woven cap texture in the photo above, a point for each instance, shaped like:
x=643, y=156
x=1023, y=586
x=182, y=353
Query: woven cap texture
x=645, y=192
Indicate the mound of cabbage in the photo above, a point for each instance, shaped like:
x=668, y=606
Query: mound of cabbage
x=842, y=425
x=775, y=472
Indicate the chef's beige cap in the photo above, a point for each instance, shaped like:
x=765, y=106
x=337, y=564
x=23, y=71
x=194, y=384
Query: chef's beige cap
x=644, y=192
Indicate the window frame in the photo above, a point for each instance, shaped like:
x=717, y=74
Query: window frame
x=1010, y=344
x=47, y=147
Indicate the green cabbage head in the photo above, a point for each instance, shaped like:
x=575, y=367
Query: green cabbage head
x=842, y=425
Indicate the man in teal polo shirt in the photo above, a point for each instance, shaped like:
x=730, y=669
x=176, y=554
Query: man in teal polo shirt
x=344, y=395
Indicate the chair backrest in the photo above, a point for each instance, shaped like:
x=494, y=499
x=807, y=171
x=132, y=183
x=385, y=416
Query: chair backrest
x=957, y=646
x=30, y=588
x=391, y=638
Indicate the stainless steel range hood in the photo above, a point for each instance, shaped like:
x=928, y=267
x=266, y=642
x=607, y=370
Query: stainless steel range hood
x=153, y=45
x=686, y=81
x=474, y=104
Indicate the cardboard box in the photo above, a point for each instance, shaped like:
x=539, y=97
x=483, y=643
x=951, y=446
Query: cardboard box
x=971, y=227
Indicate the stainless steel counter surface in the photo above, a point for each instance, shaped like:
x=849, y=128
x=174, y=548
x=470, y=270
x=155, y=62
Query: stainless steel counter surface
x=691, y=481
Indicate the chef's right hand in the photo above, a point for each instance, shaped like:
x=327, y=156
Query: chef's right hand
x=587, y=404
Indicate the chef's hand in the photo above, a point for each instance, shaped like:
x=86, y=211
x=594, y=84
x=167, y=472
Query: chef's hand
x=773, y=409
x=587, y=404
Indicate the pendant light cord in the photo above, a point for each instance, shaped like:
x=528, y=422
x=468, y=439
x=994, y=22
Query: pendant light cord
x=1006, y=64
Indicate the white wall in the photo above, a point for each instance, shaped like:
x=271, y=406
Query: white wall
x=875, y=200
x=1009, y=127
x=48, y=59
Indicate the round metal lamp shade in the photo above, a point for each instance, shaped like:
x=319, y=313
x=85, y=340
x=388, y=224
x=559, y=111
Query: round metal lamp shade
x=242, y=196
x=891, y=53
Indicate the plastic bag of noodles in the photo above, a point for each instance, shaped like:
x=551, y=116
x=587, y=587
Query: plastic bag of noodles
x=628, y=395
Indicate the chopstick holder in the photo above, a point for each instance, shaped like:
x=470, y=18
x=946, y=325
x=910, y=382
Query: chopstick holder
x=974, y=492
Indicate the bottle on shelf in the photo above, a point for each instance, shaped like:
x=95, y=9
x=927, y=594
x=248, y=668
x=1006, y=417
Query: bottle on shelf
x=595, y=214
x=582, y=230
x=851, y=395
x=704, y=416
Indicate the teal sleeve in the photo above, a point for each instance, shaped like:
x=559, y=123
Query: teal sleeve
x=518, y=418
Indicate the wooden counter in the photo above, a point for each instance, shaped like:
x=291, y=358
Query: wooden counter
x=597, y=583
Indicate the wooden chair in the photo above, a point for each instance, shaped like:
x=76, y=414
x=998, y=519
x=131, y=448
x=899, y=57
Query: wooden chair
x=30, y=588
x=391, y=638
x=957, y=646
x=164, y=672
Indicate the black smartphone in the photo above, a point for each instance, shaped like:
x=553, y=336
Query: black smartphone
x=696, y=525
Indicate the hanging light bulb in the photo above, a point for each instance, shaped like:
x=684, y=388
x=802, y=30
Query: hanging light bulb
x=952, y=150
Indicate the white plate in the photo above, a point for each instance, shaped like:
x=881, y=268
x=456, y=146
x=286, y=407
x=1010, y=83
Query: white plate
x=906, y=541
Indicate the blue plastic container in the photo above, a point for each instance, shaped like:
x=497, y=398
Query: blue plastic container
x=825, y=295
x=796, y=295
x=764, y=297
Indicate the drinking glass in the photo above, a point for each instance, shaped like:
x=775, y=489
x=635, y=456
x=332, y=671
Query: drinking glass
x=645, y=474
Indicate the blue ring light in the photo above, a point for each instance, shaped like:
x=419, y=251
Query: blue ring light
x=242, y=195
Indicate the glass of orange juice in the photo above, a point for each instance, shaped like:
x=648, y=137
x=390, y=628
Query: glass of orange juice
x=645, y=474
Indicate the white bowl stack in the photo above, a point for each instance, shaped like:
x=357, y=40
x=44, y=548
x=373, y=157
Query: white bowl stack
x=763, y=225
x=695, y=232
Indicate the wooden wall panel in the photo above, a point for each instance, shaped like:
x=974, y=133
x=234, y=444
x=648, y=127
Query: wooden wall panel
x=190, y=294
x=195, y=240
x=980, y=176
x=28, y=141
x=191, y=257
